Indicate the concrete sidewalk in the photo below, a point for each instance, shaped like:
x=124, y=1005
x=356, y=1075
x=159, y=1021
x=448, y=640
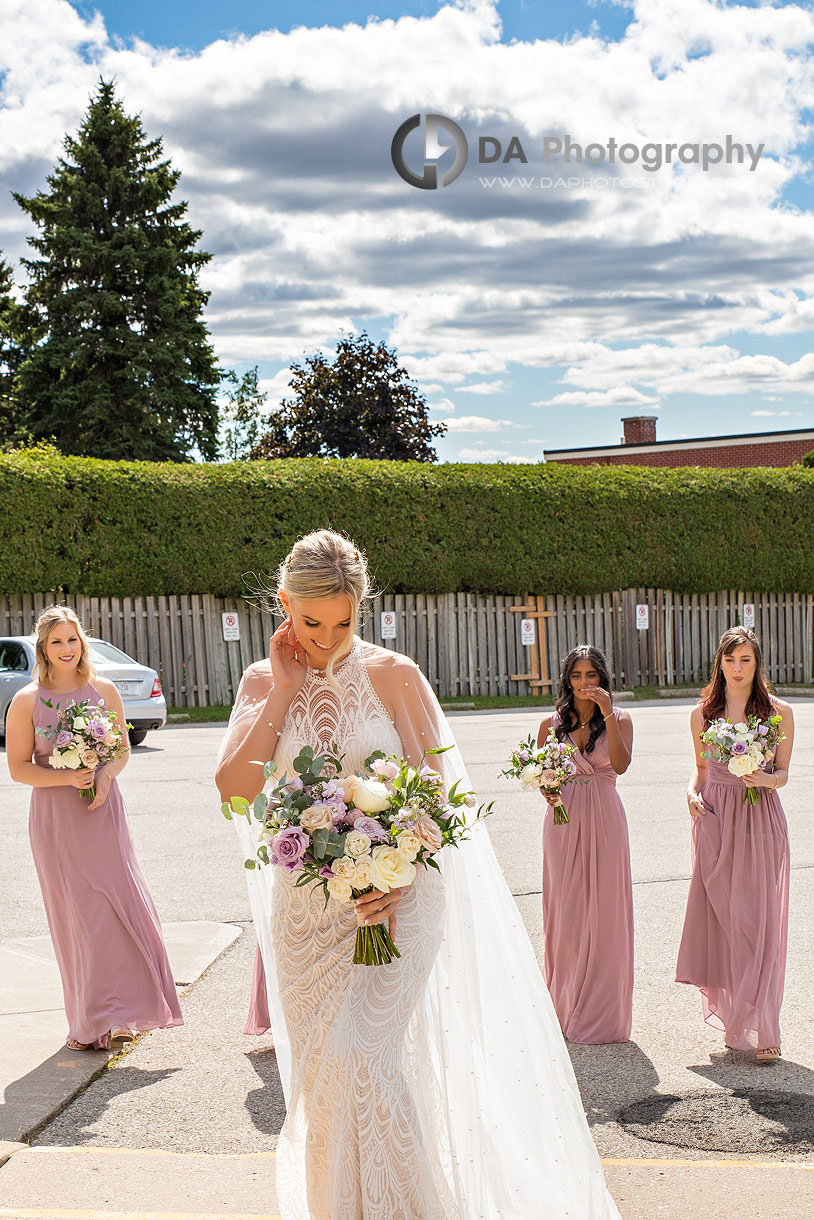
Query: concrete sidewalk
x=38, y=1074
x=91, y=1183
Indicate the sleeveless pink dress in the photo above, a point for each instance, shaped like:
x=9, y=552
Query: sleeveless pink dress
x=588, y=906
x=103, y=923
x=733, y=946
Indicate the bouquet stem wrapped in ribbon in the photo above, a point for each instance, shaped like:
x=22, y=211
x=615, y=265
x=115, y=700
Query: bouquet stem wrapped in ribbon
x=86, y=735
x=548, y=767
x=744, y=747
x=357, y=833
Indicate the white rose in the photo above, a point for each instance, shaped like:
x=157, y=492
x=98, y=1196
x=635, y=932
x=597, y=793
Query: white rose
x=362, y=878
x=340, y=888
x=316, y=817
x=390, y=870
x=344, y=866
x=371, y=796
x=110, y=738
x=740, y=727
x=79, y=722
x=741, y=765
x=56, y=761
x=408, y=844
x=530, y=775
x=71, y=760
x=357, y=843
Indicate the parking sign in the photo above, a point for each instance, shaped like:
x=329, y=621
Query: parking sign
x=642, y=617
x=231, y=625
x=388, y=631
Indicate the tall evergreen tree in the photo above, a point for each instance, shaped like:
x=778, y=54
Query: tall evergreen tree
x=11, y=338
x=122, y=366
x=363, y=405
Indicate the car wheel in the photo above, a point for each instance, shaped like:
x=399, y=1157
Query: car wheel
x=137, y=736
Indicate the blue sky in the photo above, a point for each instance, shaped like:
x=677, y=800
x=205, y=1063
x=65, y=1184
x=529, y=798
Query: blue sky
x=535, y=304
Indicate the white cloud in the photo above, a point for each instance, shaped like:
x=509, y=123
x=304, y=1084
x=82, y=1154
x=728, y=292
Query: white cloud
x=771, y=413
x=480, y=423
x=483, y=387
x=282, y=140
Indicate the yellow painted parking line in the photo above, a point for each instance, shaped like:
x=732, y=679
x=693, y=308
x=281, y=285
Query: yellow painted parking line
x=65, y=1213
x=666, y=1162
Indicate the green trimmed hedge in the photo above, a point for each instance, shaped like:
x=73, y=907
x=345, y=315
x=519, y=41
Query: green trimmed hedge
x=130, y=528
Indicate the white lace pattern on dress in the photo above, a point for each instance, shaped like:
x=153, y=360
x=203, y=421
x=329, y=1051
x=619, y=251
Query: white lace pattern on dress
x=357, y=1140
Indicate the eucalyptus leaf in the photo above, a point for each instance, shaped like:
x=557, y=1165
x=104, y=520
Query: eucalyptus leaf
x=226, y=811
x=250, y=864
x=260, y=805
x=240, y=806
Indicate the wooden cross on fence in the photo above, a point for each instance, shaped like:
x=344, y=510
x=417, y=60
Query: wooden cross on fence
x=538, y=659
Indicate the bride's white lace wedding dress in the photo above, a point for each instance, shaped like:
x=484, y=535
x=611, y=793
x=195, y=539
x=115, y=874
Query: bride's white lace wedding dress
x=437, y=1087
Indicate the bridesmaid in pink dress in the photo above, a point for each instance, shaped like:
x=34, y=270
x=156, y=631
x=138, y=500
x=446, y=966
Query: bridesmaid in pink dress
x=116, y=978
x=587, y=888
x=733, y=946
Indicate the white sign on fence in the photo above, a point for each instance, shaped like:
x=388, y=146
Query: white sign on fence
x=388, y=625
x=231, y=625
x=642, y=617
x=528, y=632
x=747, y=615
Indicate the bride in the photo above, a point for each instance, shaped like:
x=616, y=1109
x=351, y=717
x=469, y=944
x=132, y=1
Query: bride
x=437, y=1087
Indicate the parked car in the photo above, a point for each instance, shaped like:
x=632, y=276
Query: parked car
x=143, y=699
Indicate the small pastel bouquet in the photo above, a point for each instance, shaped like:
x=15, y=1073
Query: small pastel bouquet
x=744, y=747
x=355, y=833
x=549, y=767
x=86, y=735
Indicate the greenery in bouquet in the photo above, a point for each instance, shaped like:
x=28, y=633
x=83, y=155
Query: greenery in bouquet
x=86, y=735
x=548, y=767
x=352, y=834
x=745, y=747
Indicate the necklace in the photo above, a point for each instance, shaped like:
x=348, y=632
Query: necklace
x=584, y=723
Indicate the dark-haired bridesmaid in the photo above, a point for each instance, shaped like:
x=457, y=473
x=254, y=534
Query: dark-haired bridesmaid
x=733, y=946
x=587, y=888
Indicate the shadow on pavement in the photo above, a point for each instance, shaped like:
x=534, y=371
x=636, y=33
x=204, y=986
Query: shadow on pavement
x=266, y=1105
x=92, y=1104
x=610, y=1077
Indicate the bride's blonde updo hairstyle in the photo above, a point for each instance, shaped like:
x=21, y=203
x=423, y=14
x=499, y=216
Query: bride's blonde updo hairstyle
x=322, y=565
x=48, y=620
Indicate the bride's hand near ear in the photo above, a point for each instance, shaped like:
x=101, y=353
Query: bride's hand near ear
x=289, y=665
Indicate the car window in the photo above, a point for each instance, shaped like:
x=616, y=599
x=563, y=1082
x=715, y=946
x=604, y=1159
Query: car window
x=100, y=650
x=12, y=657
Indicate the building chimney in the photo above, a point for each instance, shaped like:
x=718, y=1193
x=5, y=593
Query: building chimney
x=639, y=429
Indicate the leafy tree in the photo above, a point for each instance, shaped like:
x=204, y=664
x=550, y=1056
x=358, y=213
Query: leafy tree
x=11, y=341
x=122, y=366
x=808, y=459
x=242, y=418
x=363, y=405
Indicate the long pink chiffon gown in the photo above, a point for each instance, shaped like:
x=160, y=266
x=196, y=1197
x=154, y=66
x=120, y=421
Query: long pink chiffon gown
x=588, y=906
x=733, y=946
x=104, y=926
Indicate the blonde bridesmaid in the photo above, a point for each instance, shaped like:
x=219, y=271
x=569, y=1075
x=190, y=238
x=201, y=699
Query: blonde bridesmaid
x=733, y=947
x=107, y=938
x=587, y=887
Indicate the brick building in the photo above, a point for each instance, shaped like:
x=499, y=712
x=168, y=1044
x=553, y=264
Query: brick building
x=639, y=447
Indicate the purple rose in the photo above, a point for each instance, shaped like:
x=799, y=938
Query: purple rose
x=294, y=785
x=326, y=872
x=524, y=756
x=763, y=729
x=64, y=738
x=97, y=729
x=289, y=846
x=371, y=828
x=739, y=747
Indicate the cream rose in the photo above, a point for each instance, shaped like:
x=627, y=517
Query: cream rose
x=371, y=796
x=317, y=817
x=408, y=844
x=110, y=738
x=530, y=775
x=741, y=765
x=362, y=877
x=340, y=888
x=90, y=759
x=79, y=723
x=357, y=843
x=71, y=760
x=344, y=866
x=390, y=870
x=429, y=832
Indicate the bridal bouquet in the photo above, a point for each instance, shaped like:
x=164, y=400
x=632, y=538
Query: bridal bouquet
x=548, y=767
x=86, y=735
x=745, y=748
x=355, y=833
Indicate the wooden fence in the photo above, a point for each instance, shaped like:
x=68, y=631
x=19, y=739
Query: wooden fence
x=465, y=643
